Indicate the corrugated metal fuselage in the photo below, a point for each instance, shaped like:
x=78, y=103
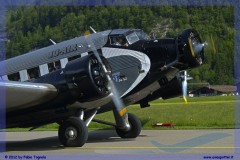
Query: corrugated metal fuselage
x=136, y=71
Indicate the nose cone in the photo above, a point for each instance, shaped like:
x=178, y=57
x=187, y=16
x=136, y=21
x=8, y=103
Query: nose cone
x=192, y=48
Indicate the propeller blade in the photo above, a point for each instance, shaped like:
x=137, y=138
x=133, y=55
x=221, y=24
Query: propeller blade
x=119, y=105
x=184, y=86
x=116, y=99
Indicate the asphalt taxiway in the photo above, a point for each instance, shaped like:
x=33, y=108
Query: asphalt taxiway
x=107, y=142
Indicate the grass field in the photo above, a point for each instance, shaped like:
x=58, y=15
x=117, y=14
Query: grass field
x=199, y=113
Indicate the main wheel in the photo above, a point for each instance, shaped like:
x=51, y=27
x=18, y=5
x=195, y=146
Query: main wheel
x=135, y=125
x=73, y=132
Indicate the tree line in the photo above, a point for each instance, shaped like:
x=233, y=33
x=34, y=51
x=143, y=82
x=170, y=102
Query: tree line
x=30, y=28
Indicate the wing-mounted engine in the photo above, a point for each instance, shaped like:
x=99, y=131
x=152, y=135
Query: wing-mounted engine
x=82, y=78
x=86, y=79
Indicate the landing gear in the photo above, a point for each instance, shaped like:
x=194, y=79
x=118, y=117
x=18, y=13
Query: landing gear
x=73, y=132
x=133, y=131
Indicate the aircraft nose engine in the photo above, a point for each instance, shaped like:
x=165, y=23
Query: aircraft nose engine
x=86, y=79
x=192, y=48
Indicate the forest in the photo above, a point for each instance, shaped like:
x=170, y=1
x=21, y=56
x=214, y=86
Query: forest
x=30, y=28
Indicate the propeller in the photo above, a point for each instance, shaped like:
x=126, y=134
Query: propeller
x=195, y=56
x=196, y=47
x=111, y=87
x=193, y=48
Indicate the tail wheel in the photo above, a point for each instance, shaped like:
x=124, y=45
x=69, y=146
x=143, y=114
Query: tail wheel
x=73, y=132
x=135, y=130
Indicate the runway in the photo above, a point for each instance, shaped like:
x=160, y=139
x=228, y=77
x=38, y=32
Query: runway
x=107, y=142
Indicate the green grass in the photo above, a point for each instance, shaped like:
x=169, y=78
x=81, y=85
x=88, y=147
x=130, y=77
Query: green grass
x=199, y=113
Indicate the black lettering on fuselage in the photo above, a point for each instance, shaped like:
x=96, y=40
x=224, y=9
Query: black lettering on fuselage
x=62, y=51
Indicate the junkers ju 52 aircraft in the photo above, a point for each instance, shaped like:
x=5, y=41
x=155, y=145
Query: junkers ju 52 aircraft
x=72, y=81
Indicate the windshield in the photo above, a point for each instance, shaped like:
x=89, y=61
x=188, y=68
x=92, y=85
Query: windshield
x=127, y=38
x=142, y=35
x=136, y=36
x=132, y=38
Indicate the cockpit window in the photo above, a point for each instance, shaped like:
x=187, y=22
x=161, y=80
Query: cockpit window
x=113, y=40
x=142, y=35
x=132, y=38
x=119, y=41
x=127, y=37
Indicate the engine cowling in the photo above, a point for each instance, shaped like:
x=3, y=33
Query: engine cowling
x=86, y=78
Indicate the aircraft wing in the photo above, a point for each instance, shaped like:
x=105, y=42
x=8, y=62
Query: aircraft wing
x=21, y=95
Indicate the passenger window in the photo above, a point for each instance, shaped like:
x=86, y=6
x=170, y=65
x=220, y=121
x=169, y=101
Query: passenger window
x=14, y=77
x=33, y=72
x=54, y=66
x=51, y=67
x=57, y=65
x=74, y=57
x=99, y=51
